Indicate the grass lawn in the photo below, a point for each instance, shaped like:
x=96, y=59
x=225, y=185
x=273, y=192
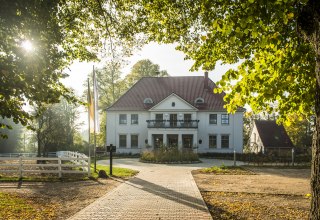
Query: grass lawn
x=16, y=207
x=45, y=202
x=118, y=172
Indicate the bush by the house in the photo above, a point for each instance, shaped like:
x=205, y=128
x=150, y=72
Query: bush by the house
x=169, y=154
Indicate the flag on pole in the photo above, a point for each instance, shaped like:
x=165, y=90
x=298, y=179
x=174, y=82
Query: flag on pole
x=90, y=110
x=95, y=99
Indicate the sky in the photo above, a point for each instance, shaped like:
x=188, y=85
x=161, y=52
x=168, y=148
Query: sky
x=164, y=55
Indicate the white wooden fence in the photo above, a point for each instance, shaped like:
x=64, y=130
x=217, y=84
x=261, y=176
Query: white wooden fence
x=64, y=159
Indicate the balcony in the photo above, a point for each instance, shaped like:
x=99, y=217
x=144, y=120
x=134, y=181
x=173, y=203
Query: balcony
x=172, y=123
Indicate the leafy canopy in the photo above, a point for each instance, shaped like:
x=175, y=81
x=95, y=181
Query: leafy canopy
x=277, y=68
x=60, y=31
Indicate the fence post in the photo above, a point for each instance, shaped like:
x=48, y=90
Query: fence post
x=20, y=167
x=234, y=158
x=59, y=167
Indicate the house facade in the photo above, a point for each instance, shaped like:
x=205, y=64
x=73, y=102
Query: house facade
x=176, y=111
x=268, y=137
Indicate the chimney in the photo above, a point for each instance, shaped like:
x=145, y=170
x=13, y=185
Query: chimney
x=206, y=81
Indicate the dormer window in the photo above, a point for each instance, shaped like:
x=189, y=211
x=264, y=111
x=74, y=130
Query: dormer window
x=199, y=100
x=147, y=101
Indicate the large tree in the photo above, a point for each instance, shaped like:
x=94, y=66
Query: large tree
x=56, y=127
x=143, y=68
x=277, y=41
x=40, y=38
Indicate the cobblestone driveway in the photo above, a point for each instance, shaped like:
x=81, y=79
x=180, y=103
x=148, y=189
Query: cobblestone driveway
x=157, y=192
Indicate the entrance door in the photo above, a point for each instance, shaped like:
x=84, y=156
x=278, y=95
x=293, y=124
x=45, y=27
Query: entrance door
x=157, y=140
x=187, y=140
x=172, y=140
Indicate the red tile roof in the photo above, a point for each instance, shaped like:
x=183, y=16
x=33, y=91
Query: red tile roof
x=273, y=135
x=188, y=88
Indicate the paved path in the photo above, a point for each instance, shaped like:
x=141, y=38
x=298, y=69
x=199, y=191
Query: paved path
x=157, y=192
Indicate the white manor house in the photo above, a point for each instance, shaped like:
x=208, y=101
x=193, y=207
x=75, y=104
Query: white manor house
x=175, y=111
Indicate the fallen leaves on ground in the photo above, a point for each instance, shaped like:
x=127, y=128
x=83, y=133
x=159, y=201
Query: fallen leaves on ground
x=14, y=206
x=226, y=170
x=227, y=206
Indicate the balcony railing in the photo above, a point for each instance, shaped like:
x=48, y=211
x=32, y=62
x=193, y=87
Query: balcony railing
x=172, y=123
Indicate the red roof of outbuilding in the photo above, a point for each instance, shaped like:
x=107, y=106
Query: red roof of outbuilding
x=188, y=88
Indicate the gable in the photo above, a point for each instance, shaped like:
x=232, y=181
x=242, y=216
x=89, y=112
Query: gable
x=173, y=103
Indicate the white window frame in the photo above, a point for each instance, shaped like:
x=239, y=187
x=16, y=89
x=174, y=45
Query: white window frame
x=225, y=119
x=137, y=120
x=216, y=120
x=121, y=121
x=137, y=141
x=226, y=135
x=210, y=135
x=120, y=141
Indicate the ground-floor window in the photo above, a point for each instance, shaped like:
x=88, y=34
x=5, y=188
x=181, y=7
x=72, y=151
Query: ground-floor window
x=134, y=141
x=225, y=141
x=123, y=140
x=187, y=140
x=212, y=141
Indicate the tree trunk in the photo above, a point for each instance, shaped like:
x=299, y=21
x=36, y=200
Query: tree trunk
x=315, y=169
x=39, y=144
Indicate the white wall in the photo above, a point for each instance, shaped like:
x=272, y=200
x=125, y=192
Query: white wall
x=234, y=129
x=256, y=146
x=166, y=104
x=114, y=129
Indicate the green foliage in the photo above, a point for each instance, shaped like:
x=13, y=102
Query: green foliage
x=300, y=132
x=277, y=66
x=14, y=136
x=60, y=32
x=166, y=154
x=56, y=127
x=143, y=68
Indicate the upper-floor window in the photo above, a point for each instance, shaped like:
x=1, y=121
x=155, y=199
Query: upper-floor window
x=147, y=101
x=187, y=117
x=225, y=119
x=224, y=141
x=213, y=119
x=199, y=100
x=123, y=119
x=159, y=117
x=134, y=119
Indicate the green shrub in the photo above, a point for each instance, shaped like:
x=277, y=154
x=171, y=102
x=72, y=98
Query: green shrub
x=169, y=154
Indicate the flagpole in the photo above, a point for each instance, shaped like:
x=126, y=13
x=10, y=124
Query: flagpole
x=94, y=124
x=89, y=103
